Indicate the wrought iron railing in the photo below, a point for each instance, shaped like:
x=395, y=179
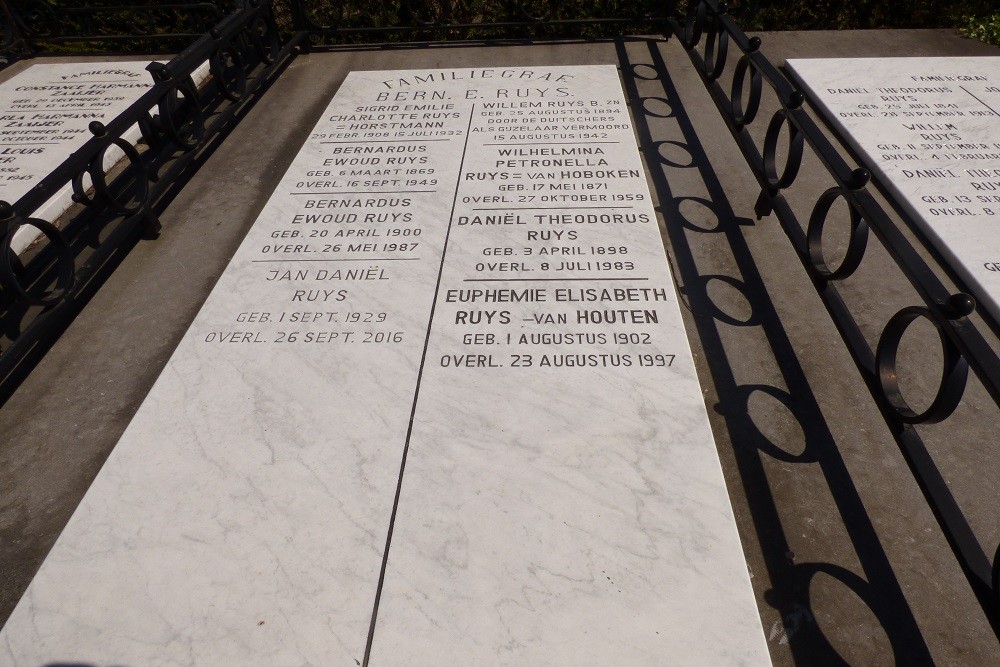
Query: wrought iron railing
x=39, y=291
x=723, y=45
x=42, y=289
x=346, y=21
x=37, y=26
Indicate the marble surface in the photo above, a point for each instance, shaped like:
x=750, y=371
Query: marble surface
x=930, y=129
x=46, y=110
x=453, y=325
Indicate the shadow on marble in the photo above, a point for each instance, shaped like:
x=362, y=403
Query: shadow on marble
x=732, y=309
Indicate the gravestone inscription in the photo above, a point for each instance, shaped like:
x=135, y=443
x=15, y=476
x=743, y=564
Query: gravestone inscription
x=441, y=404
x=46, y=110
x=930, y=129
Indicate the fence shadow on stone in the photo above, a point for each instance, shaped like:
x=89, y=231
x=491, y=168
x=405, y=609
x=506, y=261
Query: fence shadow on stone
x=738, y=401
x=41, y=291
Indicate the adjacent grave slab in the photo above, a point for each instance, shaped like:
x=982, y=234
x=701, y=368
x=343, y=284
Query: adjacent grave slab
x=45, y=112
x=930, y=127
x=453, y=323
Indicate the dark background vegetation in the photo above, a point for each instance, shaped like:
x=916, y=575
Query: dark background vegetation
x=977, y=19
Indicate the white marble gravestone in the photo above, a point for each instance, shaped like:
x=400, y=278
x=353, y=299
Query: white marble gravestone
x=453, y=324
x=45, y=111
x=930, y=129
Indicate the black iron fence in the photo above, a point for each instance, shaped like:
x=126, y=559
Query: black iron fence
x=30, y=27
x=179, y=122
x=715, y=44
x=332, y=23
x=38, y=26
x=253, y=42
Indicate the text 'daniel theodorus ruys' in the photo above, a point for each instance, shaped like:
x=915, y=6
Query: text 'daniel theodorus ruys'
x=930, y=129
x=441, y=405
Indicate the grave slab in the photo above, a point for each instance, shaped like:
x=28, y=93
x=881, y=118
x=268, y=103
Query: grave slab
x=48, y=108
x=452, y=323
x=930, y=129
x=46, y=111
x=53, y=443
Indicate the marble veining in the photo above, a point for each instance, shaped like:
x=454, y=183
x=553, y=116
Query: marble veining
x=929, y=128
x=562, y=501
x=48, y=108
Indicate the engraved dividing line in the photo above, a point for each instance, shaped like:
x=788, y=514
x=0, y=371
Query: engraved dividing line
x=547, y=208
x=542, y=280
x=365, y=192
x=360, y=259
x=557, y=143
x=980, y=101
x=416, y=394
x=60, y=110
x=138, y=79
x=378, y=141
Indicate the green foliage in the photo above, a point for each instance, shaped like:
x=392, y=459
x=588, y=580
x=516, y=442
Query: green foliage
x=124, y=26
x=984, y=28
x=860, y=14
x=977, y=19
x=351, y=16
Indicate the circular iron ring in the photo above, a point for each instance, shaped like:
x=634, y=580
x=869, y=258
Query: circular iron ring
x=743, y=114
x=795, y=147
x=814, y=238
x=169, y=107
x=716, y=50
x=97, y=177
x=265, y=40
x=954, y=372
x=233, y=88
x=694, y=24
x=66, y=277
